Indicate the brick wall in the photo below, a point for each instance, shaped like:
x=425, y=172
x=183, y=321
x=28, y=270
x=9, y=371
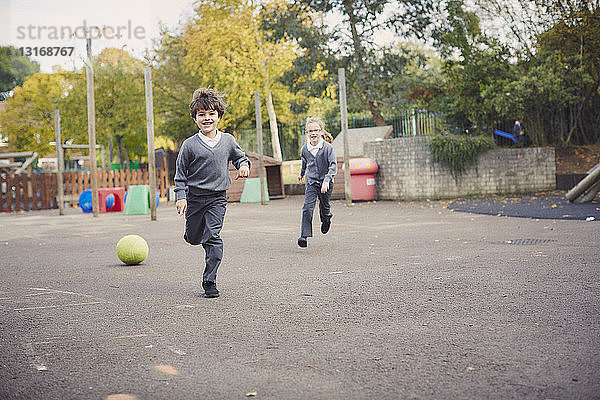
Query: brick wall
x=407, y=172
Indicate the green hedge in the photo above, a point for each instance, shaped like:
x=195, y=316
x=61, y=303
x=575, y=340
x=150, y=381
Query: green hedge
x=458, y=152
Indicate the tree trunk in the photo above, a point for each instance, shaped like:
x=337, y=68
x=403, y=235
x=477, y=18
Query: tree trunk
x=269, y=100
x=120, y=149
x=273, y=126
x=110, y=151
x=377, y=117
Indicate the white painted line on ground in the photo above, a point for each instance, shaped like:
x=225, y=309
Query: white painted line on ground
x=58, y=306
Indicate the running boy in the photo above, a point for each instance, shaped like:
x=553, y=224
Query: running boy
x=320, y=165
x=202, y=179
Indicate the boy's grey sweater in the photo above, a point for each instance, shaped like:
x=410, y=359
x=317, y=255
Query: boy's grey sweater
x=319, y=168
x=205, y=169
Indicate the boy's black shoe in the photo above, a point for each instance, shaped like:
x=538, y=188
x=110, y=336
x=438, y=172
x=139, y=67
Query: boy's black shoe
x=210, y=289
x=325, y=225
x=302, y=242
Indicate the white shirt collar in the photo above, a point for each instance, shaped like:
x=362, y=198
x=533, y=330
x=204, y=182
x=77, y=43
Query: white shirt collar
x=212, y=142
x=310, y=147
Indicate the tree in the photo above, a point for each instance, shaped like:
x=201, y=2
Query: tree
x=363, y=19
x=519, y=23
x=575, y=41
x=14, y=68
x=549, y=79
x=119, y=100
x=313, y=75
x=222, y=48
x=405, y=75
x=173, y=85
x=28, y=117
x=474, y=66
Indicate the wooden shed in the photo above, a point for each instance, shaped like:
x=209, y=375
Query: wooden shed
x=274, y=178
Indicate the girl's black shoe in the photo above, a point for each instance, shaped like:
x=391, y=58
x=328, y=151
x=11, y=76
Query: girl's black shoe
x=210, y=289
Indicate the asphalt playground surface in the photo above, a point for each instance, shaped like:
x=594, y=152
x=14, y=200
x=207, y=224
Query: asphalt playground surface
x=398, y=301
x=553, y=205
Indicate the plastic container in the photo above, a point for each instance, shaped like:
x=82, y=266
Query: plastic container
x=362, y=178
x=109, y=199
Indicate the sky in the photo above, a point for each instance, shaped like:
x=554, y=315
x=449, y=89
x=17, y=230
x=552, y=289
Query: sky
x=37, y=24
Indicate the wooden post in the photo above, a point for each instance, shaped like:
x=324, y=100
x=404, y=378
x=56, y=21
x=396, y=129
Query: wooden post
x=60, y=163
x=150, y=137
x=344, y=117
x=259, y=140
x=91, y=111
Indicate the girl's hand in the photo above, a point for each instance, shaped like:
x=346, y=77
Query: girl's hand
x=325, y=187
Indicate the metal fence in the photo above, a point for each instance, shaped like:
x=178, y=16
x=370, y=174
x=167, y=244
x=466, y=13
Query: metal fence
x=291, y=136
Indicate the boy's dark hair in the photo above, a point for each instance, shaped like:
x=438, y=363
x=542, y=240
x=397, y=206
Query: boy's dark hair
x=207, y=99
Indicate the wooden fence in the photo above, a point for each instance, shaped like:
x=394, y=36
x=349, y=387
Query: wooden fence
x=38, y=191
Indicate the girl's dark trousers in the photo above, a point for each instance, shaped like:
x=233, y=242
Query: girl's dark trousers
x=311, y=193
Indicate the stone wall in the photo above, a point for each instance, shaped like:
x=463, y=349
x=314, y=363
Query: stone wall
x=407, y=171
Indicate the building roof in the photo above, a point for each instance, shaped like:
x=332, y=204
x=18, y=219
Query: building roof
x=266, y=159
x=359, y=136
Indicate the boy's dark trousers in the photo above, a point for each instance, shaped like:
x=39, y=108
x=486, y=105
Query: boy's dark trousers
x=311, y=193
x=204, y=220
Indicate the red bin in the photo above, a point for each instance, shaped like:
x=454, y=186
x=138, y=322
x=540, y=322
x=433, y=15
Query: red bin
x=362, y=178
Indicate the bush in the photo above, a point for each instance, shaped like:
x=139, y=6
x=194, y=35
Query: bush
x=458, y=152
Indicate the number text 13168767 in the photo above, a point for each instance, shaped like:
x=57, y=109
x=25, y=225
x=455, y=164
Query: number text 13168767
x=46, y=51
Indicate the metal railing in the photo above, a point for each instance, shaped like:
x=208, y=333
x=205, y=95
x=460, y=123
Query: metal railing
x=291, y=136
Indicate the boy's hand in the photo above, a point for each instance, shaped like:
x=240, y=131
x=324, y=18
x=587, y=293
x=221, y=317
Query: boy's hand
x=325, y=187
x=243, y=172
x=181, y=205
x=300, y=178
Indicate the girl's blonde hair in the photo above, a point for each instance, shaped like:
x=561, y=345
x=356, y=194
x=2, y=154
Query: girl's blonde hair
x=326, y=135
x=316, y=120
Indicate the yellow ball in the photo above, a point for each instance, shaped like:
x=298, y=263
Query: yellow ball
x=132, y=249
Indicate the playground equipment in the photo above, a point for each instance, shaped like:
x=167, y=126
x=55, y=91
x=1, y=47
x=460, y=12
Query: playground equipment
x=586, y=190
x=17, y=167
x=109, y=200
x=506, y=135
x=137, y=200
x=251, y=192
